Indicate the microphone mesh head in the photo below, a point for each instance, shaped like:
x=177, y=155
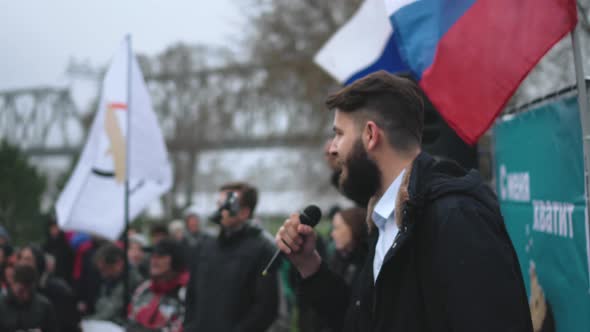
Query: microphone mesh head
x=311, y=215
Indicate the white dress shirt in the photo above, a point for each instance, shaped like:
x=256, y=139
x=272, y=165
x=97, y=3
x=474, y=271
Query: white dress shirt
x=384, y=218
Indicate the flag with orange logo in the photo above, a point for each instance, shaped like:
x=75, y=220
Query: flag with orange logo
x=125, y=140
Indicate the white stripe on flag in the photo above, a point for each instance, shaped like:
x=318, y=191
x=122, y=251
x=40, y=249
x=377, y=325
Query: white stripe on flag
x=393, y=6
x=359, y=42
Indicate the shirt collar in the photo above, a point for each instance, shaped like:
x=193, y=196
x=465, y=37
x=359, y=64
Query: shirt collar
x=386, y=204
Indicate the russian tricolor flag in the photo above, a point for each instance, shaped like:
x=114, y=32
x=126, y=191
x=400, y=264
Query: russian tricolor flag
x=468, y=55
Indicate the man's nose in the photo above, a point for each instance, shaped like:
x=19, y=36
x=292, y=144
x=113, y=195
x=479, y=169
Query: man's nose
x=332, y=151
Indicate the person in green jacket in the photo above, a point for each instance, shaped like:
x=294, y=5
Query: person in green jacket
x=109, y=305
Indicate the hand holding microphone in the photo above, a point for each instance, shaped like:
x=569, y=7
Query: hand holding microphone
x=297, y=240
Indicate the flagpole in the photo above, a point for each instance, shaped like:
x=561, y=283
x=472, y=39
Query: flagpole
x=585, y=119
x=126, y=293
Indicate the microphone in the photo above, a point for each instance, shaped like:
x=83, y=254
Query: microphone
x=310, y=216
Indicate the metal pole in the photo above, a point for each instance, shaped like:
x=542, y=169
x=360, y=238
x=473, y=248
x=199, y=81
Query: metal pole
x=126, y=290
x=585, y=119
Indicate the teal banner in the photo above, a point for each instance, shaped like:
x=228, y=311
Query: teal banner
x=540, y=183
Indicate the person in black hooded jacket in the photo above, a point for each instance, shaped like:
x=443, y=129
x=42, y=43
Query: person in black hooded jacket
x=23, y=308
x=226, y=292
x=440, y=258
x=55, y=289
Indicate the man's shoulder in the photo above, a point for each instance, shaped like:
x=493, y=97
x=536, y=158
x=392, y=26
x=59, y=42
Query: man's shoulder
x=450, y=202
x=460, y=213
x=261, y=237
x=446, y=186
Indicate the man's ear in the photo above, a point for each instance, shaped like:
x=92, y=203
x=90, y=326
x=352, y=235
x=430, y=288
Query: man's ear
x=372, y=135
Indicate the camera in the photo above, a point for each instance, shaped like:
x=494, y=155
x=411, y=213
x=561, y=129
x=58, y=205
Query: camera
x=231, y=204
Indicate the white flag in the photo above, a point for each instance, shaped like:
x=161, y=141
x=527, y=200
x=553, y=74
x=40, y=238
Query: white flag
x=100, y=326
x=94, y=197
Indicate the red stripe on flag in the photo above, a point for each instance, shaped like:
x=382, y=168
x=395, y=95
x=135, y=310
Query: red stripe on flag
x=482, y=59
x=117, y=106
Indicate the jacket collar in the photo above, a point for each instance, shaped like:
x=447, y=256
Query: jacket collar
x=408, y=196
x=386, y=204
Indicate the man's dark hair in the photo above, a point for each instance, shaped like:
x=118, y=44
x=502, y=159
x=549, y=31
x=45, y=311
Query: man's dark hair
x=25, y=275
x=248, y=194
x=394, y=103
x=109, y=254
x=159, y=229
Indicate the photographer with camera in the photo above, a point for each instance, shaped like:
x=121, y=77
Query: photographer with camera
x=226, y=291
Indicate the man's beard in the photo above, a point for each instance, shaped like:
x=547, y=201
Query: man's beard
x=363, y=176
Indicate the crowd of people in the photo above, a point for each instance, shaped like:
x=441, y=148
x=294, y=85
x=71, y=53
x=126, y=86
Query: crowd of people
x=425, y=249
x=180, y=277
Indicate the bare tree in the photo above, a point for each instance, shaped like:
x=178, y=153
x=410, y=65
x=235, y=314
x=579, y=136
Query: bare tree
x=284, y=38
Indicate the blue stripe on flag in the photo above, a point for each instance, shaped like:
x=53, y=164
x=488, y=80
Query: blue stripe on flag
x=389, y=60
x=419, y=26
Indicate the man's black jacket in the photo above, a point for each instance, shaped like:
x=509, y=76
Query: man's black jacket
x=226, y=291
x=452, y=266
x=35, y=315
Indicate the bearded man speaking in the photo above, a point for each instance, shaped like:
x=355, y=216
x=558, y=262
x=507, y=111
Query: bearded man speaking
x=440, y=258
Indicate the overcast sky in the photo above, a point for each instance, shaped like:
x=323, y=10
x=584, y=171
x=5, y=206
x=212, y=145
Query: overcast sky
x=39, y=37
